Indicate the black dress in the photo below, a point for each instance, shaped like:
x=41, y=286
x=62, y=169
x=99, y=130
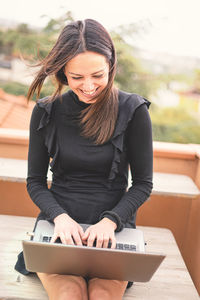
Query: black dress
x=89, y=181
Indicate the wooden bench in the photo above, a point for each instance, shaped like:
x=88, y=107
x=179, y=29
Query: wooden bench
x=15, y=170
x=172, y=205
x=171, y=280
x=169, y=205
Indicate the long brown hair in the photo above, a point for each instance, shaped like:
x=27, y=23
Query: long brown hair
x=98, y=120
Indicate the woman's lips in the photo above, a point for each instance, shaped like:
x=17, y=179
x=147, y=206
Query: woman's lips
x=90, y=94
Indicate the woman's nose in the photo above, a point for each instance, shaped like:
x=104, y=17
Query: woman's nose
x=88, y=85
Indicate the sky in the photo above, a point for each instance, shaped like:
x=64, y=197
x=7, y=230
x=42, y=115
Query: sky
x=167, y=26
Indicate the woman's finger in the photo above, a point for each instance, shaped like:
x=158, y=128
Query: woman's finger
x=113, y=242
x=91, y=238
x=105, y=241
x=54, y=237
x=77, y=238
x=86, y=234
x=66, y=239
x=99, y=241
x=80, y=231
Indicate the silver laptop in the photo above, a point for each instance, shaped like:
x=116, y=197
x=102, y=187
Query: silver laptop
x=128, y=261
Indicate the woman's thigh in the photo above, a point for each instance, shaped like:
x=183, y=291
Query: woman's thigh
x=102, y=289
x=64, y=287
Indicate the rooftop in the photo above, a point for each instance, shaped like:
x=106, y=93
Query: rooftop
x=15, y=111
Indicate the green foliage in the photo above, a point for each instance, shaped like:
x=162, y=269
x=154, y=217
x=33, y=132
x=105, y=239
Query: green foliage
x=174, y=125
x=30, y=43
x=22, y=42
x=33, y=45
x=16, y=88
x=55, y=25
x=169, y=124
x=131, y=76
x=197, y=80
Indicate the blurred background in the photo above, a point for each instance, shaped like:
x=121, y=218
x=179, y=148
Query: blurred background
x=158, y=49
x=157, y=46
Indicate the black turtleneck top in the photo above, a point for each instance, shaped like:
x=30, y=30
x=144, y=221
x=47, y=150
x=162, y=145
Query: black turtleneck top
x=89, y=181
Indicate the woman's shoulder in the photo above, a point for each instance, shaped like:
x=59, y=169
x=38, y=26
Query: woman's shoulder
x=128, y=103
x=43, y=111
x=46, y=104
x=47, y=110
x=131, y=101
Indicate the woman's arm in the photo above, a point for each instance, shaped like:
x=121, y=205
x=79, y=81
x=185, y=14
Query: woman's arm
x=140, y=155
x=38, y=162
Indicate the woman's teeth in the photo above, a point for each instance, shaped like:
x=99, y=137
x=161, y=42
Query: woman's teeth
x=89, y=93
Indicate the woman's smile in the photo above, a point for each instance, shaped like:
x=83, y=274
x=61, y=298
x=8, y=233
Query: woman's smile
x=90, y=94
x=87, y=75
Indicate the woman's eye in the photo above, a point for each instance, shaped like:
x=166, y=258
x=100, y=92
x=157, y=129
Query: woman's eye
x=95, y=76
x=98, y=76
x=76, y=78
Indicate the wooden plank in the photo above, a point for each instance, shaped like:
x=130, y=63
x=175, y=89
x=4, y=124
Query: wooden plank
x=174, y=184
x=15, y=170
x=171, y=281
x=12, y=284
x=166, y=184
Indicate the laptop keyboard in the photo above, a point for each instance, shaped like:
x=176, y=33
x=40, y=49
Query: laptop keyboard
x=128, y=247
x=119, y=246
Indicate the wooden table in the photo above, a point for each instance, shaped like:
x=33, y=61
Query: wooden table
x=171, y=281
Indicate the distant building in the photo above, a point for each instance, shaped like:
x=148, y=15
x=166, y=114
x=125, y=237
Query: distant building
x=15, y=112
x=191, y=99
x=166, y=98
x=16, y=70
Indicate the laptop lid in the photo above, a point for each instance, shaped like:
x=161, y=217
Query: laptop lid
x=90, y=261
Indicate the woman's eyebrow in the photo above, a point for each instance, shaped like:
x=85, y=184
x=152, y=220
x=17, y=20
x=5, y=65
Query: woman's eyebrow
x=82, y=75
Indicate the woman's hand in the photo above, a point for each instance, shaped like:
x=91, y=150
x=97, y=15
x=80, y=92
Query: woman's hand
x=103, y=232
x=69, y=231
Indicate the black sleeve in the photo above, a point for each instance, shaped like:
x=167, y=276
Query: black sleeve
x=38, y=162
x=140, y=155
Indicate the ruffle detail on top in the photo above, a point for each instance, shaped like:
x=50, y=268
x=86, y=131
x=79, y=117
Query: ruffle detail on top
x=50, y=134
x=127, y=107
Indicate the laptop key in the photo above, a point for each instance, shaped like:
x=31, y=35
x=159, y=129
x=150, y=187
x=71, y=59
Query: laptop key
x=126, y=247
x=132, y=247
x=45, y=239
x=129, y=247
x=119, y=246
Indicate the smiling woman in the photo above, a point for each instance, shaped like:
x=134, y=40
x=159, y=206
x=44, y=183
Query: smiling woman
x=87, y=75
x=92, y=134
x=82, y=45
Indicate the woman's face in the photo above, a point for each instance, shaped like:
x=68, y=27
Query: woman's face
x=87, y=75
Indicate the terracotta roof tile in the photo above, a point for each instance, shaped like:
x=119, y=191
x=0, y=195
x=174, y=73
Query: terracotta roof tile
x=15, y=112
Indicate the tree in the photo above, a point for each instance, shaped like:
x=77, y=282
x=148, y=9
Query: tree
x=197, y=80
x=131, y=75
x=32, y=44
x=54, y=25
x=174, y=125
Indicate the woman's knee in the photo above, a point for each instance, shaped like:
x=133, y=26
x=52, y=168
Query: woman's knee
x=64, y=287
x=71, y=291
x=106, y=289
x=99, y=293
